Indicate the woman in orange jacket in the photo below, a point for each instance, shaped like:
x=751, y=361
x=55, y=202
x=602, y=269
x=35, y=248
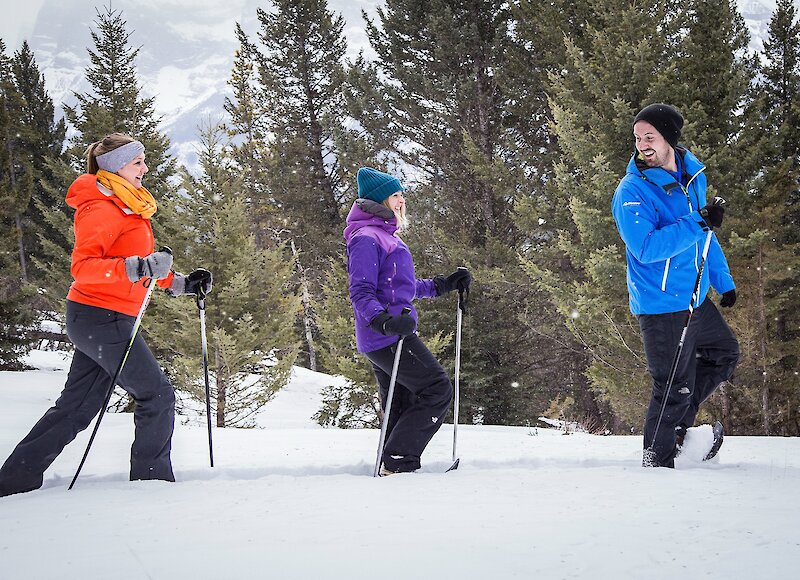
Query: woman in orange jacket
x=113, y=262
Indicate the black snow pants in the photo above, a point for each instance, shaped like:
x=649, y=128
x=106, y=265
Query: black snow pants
x=100, y=337
x=422, y=397
x=709, y=357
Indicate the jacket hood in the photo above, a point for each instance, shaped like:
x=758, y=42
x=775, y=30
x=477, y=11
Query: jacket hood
x=85, y=189
x=366, y=212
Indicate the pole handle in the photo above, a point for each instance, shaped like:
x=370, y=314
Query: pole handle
x=150, y=281
x=166, y=249
x=463, y=295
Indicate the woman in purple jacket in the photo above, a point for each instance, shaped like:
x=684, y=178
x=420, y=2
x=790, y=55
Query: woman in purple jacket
x=382, y=284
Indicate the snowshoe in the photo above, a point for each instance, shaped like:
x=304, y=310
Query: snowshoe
x=719, y=433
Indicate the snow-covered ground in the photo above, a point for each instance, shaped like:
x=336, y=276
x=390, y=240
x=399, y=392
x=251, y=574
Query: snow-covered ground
x=294, y=500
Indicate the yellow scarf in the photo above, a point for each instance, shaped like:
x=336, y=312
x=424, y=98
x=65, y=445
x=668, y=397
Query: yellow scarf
x=140, y=201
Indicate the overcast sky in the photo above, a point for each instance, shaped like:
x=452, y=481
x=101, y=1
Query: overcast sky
x=17, y=21
x=19, y=16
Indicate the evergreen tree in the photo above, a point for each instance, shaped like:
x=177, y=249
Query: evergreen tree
x=765, y=242
x=251, y=310
x=115, y=104
x=779, y=85
x=16, y=185
x=55, y=237
x=712, y=75
x=440, y=58
x=301, y=68
x=578, y=258
x=455, y=116
x=41, y=140
x=766, y=396
x=16, y=168
x=539, y=51
x=248, y=126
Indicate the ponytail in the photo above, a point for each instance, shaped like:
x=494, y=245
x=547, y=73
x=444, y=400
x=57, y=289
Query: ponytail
x=91, y=158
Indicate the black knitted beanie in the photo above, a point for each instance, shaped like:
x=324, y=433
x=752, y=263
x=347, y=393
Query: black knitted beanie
x=666, y=119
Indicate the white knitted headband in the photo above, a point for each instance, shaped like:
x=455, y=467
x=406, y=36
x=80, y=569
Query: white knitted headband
x=118, y=158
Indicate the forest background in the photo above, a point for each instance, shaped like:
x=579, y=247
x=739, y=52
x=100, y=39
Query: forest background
x=510, y=124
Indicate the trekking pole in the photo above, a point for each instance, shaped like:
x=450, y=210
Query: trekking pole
x=462, y=307
x=134, y=331
x=674, y=368
x=201, y=306
x=388, y=405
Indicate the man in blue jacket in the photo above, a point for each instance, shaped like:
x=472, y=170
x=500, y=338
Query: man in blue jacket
x=662, y=216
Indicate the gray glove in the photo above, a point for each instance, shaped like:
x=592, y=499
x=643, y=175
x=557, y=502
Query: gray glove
x=157, y=265
x=178, y=286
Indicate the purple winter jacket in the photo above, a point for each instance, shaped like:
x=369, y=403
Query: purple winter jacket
x=381, y=272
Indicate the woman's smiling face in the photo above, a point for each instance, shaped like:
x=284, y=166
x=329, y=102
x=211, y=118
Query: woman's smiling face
x=396, y=201
x=134, y=171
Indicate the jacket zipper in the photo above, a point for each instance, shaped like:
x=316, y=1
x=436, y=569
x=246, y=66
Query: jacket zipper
x=696, y=249
x=394, y=274
x=689, y=199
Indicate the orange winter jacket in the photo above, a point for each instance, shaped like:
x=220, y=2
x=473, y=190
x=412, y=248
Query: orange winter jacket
x=107, y=232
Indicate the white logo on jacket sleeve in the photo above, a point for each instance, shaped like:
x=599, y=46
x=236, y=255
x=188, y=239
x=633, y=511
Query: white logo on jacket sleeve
x=627, y=203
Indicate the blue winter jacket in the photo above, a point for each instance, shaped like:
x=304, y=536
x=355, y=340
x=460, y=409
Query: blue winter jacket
x=381, y=272
x=664, y=236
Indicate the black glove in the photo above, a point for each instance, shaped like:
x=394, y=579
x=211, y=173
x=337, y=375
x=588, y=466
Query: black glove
x=713, y=214
x=401, y=325
x=199, y=279
x=728, y=299
x=157, y=265
x=458, y=280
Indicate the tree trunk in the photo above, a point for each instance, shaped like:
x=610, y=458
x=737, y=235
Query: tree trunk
x=220, y=381
x=725, y=399
x=17, y=220
x=484, y=108
x=23, y=263
x=763, y=339
x=308, y=323
x=330, y=204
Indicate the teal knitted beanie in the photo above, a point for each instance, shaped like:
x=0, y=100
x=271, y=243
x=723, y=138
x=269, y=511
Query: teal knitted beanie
x=376, y=185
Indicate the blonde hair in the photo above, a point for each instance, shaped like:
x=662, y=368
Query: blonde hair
x=402, y=219
x=106, y=144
